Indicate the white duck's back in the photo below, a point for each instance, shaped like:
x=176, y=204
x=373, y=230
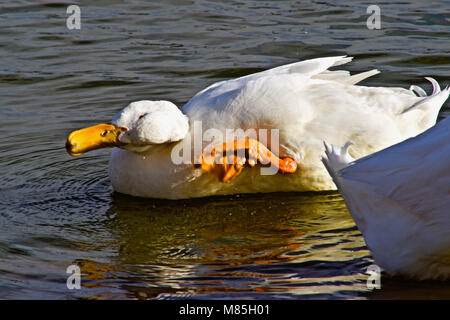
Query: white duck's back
x=308, y=104
x=400, y=200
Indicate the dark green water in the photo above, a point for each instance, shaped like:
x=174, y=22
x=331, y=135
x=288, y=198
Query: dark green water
x=56, y=210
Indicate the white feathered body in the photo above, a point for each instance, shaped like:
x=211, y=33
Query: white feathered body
x=307, y=103
x=400, y=201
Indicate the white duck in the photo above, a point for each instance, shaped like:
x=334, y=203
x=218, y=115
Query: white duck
x=400, y=200
x=304, y=101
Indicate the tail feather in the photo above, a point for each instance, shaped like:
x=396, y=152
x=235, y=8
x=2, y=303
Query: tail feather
x=435, y=84
x=343, y=76
x=418, y=90
x=342, y=60
x=361, y=76
x=437, y=92
x=337, y=159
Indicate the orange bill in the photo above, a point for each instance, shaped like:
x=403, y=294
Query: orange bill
x=95, y=137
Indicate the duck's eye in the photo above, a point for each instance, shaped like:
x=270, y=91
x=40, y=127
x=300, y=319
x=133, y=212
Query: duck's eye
x=141, y=116
x=104, y=133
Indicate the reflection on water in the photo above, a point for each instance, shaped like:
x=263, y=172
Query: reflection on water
x=279, y=245
x=56, y=210
x=241, y=244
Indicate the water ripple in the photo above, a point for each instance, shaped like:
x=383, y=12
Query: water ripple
x=56, y=210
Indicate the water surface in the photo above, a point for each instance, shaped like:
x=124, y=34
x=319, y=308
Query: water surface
x=56, y=210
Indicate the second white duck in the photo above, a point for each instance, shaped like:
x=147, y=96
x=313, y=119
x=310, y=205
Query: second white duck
x=400, y=201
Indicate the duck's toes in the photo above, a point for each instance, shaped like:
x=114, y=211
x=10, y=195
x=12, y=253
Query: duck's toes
x=226, y=160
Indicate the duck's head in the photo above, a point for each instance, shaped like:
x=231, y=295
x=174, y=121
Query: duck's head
x=136, y=128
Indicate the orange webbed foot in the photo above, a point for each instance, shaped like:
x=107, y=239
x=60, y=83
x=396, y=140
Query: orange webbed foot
x=228, y=159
